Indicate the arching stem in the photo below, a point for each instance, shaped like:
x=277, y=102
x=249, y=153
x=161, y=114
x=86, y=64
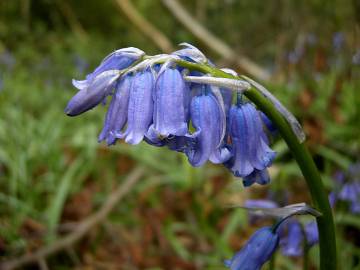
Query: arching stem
x=301, y=154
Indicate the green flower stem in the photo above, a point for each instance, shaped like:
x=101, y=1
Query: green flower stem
x=306, y=163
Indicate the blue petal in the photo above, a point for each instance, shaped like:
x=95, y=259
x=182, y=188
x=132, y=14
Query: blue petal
x=260, y=154
x=117, y=113
x=140, y=110
x=261, y=177
x=169, y=110
x=117, y=60
x=292, y=244
x=312, y=233
x=256, y=252
x=239, y=164
x=206, y=119
x=350, y=192
x=260, y=204
x=89, y=97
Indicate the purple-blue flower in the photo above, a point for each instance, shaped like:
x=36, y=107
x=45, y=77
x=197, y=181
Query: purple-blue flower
x=116, y=115
x=260, y=204
x=251, y=154
x=292, y=244
x=297, y=235
x=140, y=111
x=207, y=119
x=100, y=83
x=292, y=233
x=117, y=60
x=170, y=97
x=93, y=94
x=256, y=252
x=347, y=188
x=311, y=233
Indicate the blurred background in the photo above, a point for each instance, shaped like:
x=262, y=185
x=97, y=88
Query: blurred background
x=54, y=175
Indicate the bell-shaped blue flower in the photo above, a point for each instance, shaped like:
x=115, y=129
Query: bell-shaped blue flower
x=170, y=96
x=140, y=111
x=117, y=60
x=116, y=115
x=293, y=241
x=292, y=244
x=256, y=252
x=312, y=233
x=251, y=154
x=207, y=119
x=89, y=97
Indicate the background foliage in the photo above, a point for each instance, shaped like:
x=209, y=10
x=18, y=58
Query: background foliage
x=53, y=173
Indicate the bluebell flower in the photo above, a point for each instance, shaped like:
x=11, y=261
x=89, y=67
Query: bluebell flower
x=347, y=188
x=261, y=203
x=256, y=252
x=291, y=232
x=97, y=90
x=117, y=60
x=170, y=98
x=251, y=154
x=311, y=233
x=140, y=111
x=207, y=119
x=351, y=192
x=116, y=115
x=292, y=244
x=260, y=177
x=100, y=83
x=297, y=235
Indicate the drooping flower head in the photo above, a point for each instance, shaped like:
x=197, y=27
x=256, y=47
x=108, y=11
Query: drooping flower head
x=155, y=99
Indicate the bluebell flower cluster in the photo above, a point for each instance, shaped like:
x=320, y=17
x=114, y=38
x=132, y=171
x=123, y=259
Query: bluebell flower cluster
x=151, y=101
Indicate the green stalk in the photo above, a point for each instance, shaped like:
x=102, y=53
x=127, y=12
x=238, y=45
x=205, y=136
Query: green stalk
x=302, y=156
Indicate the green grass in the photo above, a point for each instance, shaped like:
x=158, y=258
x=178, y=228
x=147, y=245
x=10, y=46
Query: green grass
x=47, y=159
